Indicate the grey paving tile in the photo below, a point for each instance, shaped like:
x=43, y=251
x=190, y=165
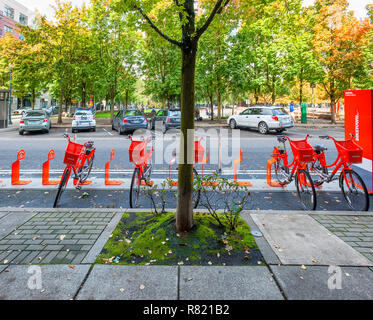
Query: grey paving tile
x=15, y=284
x=312, y=283
x=106, y=281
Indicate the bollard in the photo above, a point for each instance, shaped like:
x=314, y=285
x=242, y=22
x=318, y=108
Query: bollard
x=45, y=176
x=240, y=183
x=15, y=170
x=107, y=166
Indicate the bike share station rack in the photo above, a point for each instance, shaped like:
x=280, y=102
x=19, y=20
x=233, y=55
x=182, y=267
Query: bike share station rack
x=359, y=122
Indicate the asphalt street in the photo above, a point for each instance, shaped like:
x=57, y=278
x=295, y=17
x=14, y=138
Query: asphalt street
x=256, y=150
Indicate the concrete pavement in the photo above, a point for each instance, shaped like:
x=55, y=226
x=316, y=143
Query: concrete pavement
x=304, y=260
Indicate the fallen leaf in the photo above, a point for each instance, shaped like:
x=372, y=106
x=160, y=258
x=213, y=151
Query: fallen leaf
x=5, y=261
x=210, y=263
x=347, y=274
x=303, y=267
x=121, y=290
x=62, y=236
x=72, y=266
x=142, y=287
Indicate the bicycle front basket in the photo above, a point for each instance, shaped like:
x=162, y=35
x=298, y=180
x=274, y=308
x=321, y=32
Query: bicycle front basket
x=72, y=153
x=136, y=151
x=349, y=151
x=199, y=152
x=302, y=149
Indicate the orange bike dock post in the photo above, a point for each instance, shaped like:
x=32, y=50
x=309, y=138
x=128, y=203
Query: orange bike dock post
x=109, y=182
x=240, y=183
x=269, y=174
x=45, y=176
x=15, y=170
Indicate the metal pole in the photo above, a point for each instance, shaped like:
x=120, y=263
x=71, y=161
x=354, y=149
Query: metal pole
x=10, y=99
x=313, y=106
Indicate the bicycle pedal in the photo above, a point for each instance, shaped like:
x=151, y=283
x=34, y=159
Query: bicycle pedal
x=78, y=187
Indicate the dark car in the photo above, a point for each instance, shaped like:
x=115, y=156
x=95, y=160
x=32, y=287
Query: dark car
x=170, y=119
x=129, y=120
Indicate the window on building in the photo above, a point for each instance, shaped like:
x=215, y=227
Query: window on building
x=8, y=29
x=22, y=19
x=9, y=12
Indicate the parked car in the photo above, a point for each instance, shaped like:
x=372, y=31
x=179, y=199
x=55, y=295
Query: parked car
x=169, y=118
x=21, y=111
x=262, y=118
x=129, y=121
x=35, y=120
x=83, y=119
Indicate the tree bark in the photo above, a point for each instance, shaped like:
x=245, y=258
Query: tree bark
x=212, y=107
x=332, y=102
x=59, y=121
x=33, y=99
x=184, y=215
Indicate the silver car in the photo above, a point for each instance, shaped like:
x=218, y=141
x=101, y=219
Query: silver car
x=35, y=120
x=262, y=118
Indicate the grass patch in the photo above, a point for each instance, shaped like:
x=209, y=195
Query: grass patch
x=146, y=239
x=103, y=115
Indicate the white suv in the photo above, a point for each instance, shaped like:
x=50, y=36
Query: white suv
x=84, y=119
x=262, y=118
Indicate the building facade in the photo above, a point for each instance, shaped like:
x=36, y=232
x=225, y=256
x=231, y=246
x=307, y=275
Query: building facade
x=11, y=13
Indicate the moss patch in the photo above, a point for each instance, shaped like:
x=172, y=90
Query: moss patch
x=143, y=238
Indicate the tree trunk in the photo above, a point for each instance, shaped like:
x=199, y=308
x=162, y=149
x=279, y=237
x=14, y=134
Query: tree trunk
x=60, y=108
x=126, y=98
x=332, y=102
x=65, y=105
x=301, y=92
x=112, y=108
x=83, y=96
x=33, y=99
x=212, y=107
x=184, y=213
x=218, y=96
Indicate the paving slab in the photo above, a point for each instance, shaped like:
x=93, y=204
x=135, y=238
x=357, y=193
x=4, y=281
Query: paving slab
x=346, y=283
x=3, y=214
x=299, y=239
x=21, y=282
x=265, y=249
x=227, y=283
x=108, y=282
x=3, y=267
x=14, y=220
x=101, y=241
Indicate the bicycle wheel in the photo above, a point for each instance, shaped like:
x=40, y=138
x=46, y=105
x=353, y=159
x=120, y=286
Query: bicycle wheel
x=135, y=188
x=196, y=191
x=62, y=186
x=282, y=172
x=85, y=171
x=354, y=190
x=306, y=189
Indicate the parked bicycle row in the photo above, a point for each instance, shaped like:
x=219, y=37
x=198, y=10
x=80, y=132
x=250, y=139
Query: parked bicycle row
x=308, y=168
x=311, y=161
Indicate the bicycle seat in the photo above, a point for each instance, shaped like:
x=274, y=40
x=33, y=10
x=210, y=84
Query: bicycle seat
x=319, y=148
x=324, y=137
x=281, y=139
x=89, y=144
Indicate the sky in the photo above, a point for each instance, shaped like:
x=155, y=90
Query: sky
x=43, y=6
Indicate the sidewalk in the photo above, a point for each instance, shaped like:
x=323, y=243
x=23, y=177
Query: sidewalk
x=298, y=248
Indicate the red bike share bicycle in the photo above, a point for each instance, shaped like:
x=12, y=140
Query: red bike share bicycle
x=78, y=159
x=303, y=154
x=352, y=185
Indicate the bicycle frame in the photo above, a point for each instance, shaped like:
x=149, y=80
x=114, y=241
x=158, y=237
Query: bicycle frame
x=338, y=163
x=146, y=160
x=83, y=157
x=295, y=164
